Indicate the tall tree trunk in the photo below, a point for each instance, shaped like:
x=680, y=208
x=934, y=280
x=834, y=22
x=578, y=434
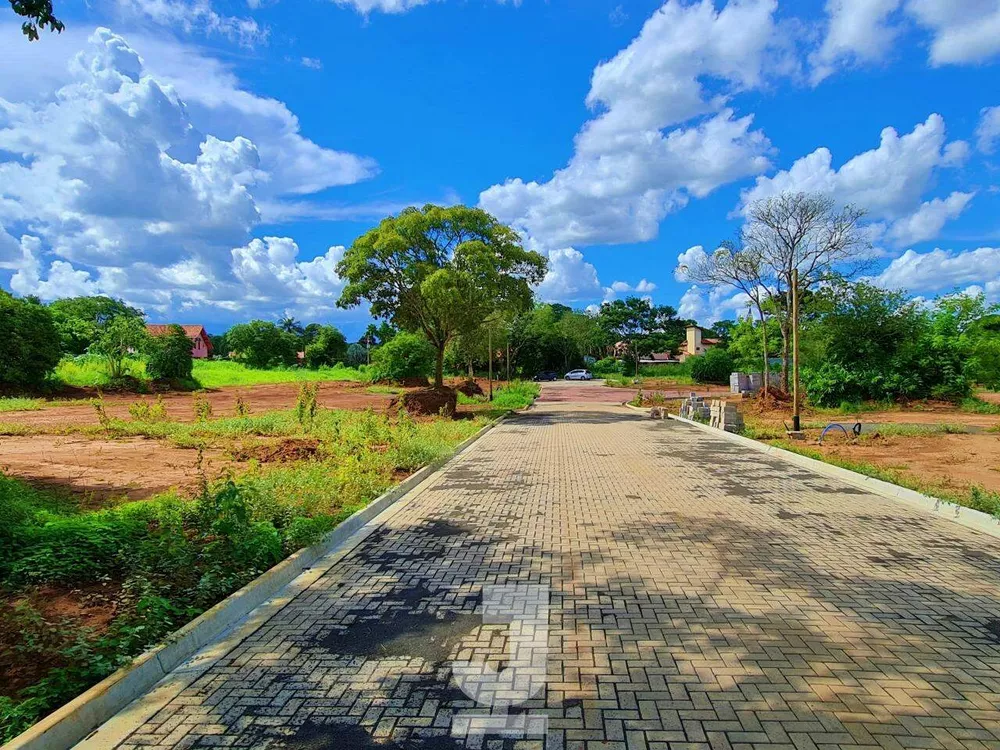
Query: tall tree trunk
x=439, y=368
x=767, y=357
x=786, y=353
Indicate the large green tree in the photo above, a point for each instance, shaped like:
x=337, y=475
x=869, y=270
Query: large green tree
x=80, y=320
x=327, y=349
x=439, y=271
x=261, y=344
x=37, y=14
x=29, y=343
x=643, y=327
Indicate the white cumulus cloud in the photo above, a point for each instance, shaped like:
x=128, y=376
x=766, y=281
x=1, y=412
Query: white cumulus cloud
x=889, y=181
x=942, y=271
x=570, y=278
x=988, y=129
x=120, y=185
x=663, y=132
x=864, y=31
x=857, y=31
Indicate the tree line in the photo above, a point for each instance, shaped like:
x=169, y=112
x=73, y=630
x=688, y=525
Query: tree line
x=452, y=291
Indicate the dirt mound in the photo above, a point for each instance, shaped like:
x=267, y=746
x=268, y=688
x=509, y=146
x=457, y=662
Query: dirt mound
x=292, y=449
x=413, y=382
x=470, y=388
x=427, y=402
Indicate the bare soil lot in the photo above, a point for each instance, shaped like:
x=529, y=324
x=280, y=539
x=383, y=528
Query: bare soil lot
x=937, y=459
x=180, y=406
x=949, y=462
x=96, y=470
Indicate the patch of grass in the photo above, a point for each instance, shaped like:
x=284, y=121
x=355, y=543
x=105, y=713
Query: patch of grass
x=385, y=389
x=518, y=394
x=762, y=432
x=220, y=373
x=89, y=371
x=661, y=377
x=976, y=405
x=20, y=404
x=11, y=429
x=914, y=430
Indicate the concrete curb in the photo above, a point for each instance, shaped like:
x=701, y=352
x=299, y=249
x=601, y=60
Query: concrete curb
x=73, y=722
x=973, y=519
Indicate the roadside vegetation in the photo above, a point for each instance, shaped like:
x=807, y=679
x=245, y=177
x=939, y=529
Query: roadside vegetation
x=87, y=588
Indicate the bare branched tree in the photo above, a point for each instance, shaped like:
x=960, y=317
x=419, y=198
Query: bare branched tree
x=741, y=268
x=808, y=233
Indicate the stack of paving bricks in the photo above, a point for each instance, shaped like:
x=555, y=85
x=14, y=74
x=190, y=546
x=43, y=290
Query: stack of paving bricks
x=694, y=407
x=725, y=416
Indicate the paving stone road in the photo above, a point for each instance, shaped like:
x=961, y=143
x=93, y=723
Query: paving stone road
x=701, y=597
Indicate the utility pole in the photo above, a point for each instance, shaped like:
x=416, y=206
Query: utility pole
x=489, y=354
x=508, y=358
x=796, y=423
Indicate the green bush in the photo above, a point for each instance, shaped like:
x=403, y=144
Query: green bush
x=403, y=357
x=608, y=366
x=262, y=345
x=518, y=394
x=170, y=356
x=121, y=338
x=29, y=343
x=328, y=348
x=714, y=366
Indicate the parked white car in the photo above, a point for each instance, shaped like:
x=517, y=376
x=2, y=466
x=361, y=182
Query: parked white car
x=579, y=375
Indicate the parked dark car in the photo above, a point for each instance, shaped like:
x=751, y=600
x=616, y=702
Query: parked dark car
x=546, y=375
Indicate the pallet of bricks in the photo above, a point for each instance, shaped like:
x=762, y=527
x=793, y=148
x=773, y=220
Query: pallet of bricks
x=694, y=407
x=725, y=416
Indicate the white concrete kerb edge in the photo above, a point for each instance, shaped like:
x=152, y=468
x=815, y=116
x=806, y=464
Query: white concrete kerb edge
x=973, y=519
x=238, y=614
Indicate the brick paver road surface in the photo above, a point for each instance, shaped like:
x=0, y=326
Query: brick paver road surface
x=701, y=597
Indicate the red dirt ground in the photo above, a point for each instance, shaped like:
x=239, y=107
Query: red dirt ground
x=180, y=406
x=96, y=470
x=91, y=607
x=945, y=461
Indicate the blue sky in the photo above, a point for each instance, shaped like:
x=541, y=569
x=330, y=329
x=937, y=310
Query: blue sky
x=209, y=161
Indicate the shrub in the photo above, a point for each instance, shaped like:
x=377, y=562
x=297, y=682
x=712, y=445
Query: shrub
x=403, y=357
x=123, y=336
x=714, y=366
x=29, y=343
x=328, y=348
x=356, y=355
x=260, y=344
x=170, y=356
x=608, y=366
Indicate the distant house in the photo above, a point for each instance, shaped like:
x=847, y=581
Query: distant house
x=659, y=358
x=201, y=344
x=695, y=344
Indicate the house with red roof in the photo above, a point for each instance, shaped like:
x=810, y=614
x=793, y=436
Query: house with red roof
x=201, y=344
x=696, y=344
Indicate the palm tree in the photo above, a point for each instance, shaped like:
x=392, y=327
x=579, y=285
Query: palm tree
x=288, y=324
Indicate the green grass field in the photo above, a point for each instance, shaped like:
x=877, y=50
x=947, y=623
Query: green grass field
x=92, y=372
x=216, y=374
